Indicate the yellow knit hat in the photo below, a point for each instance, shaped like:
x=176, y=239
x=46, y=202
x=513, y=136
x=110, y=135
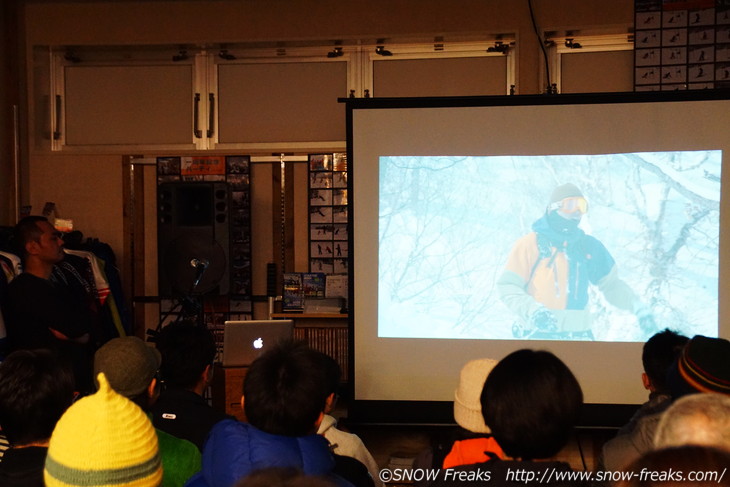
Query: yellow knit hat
x=103, y=440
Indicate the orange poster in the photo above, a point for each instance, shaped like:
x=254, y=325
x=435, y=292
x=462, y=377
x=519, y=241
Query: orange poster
x=202, y=166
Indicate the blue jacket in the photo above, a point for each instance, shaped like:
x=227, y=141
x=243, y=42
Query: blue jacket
x=235, y=449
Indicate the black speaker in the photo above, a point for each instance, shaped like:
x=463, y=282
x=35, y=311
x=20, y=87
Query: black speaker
x=193, y=238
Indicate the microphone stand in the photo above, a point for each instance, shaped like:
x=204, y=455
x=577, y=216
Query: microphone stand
x=196, y=306
x=187, y=303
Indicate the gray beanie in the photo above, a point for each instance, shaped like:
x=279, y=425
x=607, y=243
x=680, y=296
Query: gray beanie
x=564, y=191
x=128, y=363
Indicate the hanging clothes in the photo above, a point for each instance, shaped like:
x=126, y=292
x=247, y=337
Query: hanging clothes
x=101, y=284
x=10, y=267
x=103, y=292
x=105, y=253
x=10, y=264
x=75, y=273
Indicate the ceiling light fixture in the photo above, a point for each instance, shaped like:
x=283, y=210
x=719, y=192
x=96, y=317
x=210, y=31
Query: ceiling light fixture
x=336, y=52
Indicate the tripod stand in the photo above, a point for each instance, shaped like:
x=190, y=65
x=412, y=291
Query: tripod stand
x=190, y=304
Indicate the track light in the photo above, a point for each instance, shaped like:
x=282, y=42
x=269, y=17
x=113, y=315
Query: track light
x=438, y=43
x=336, y=52
x=224, y=54
x=382, y=51
x=180, y=56
x=71, y=57
x=499, y=47
x=572, y=45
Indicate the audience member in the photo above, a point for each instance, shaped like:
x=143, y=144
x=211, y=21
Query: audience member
x=283, y=477
x=103, y=439
x=472, y=442
x=696, y=419
x=477, y=444
x=188, y=352
x=637, y=436
x=36, y=388
x=4, y=445
x=689, y=465
x=284, y=396
x=40, y=313
x=131, y=368
x=531, y=401
x=341, y=442
x=702, y=366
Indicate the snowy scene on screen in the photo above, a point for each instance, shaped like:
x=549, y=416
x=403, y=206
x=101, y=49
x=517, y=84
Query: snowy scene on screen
x=609, y=247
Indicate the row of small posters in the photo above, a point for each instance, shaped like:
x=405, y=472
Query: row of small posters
x=328, y=214
x=681, y=45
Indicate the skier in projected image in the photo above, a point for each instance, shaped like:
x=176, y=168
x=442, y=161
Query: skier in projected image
x=548, y=273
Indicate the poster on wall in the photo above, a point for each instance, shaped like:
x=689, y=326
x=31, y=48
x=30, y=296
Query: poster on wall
x=328, y=216
x=680, y=45
x=207, y=168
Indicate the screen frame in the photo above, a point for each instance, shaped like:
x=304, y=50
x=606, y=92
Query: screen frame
x=595, y=415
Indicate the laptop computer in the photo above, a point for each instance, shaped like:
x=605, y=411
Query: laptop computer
x=245, y=341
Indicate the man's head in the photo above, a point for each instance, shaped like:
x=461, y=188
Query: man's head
x=702, y=366
x=188, y=352
x=531, y=401
x=131, y=367
x=568, y=202
x=35, y=389
x=36, y=238
x=658, y=355
x=286, y=389
x=696, y=419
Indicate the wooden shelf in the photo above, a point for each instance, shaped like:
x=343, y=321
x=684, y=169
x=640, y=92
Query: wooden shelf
x=304, y=316
x=227, y=389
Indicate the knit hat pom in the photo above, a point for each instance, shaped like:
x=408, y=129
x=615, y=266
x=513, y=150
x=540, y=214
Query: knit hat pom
x=103, y=439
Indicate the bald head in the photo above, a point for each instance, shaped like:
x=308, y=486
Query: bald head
x=696, y=419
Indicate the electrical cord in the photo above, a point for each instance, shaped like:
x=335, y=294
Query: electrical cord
x=580, y=450
x=542, y=46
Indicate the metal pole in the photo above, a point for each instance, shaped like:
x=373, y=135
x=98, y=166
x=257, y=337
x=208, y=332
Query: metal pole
x=16, y=162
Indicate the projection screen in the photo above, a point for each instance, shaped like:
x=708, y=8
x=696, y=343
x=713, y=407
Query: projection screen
x=447, y=199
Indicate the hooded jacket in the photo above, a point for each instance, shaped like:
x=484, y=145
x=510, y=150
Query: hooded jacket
x=235, y=449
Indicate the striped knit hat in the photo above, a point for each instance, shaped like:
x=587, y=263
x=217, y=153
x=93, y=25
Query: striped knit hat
x=103, y=439
x=703, y=366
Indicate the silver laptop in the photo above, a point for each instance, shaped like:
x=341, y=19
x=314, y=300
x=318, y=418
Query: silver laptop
x=245, y=341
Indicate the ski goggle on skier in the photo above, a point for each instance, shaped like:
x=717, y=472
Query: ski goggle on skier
x=574, y=204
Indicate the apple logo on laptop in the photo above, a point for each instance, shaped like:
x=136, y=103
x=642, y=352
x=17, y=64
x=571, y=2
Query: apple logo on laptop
x=258, y=343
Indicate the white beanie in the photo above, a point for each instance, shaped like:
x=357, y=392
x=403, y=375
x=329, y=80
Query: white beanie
x=467, y=406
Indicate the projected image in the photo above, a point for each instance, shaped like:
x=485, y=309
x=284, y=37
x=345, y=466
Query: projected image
x=579, y=247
